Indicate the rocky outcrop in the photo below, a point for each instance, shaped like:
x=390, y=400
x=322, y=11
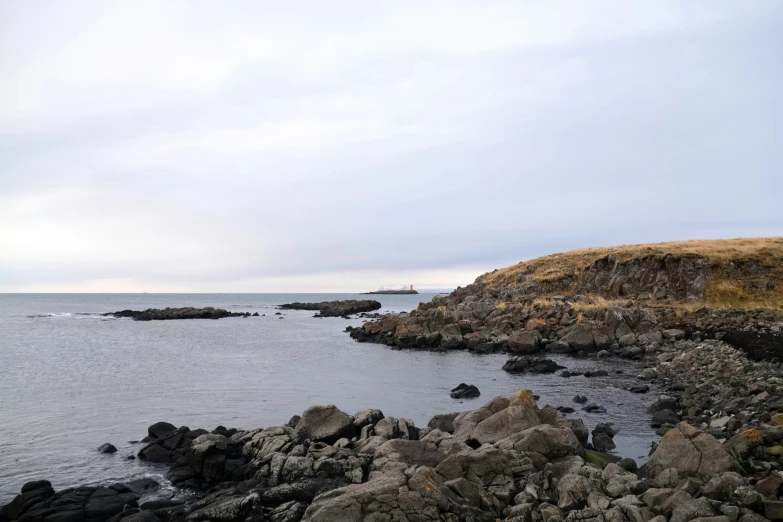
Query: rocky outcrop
x=39, y=502
x=155, y=314
x=507, y=460
x=592, y=301
x=335, y=308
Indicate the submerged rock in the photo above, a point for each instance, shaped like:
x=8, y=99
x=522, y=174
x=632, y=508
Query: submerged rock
x=531, y=365
x=465, y=391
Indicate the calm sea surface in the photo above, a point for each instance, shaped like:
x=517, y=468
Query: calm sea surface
x=71, y=380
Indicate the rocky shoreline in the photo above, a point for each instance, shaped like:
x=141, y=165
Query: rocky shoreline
x=508, y=460
x=719, y=460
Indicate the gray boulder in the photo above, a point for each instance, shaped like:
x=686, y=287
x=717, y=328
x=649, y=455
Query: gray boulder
x=580, y=338
x=524, y=342
x=324, y=424
x=691, y=452
x=519, y=415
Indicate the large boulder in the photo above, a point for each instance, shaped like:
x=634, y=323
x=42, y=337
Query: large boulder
x=524, y=342
x=691, y=452
x=419, y=494
x=207, y=455
x=580, y=338
x=519, y=414
x=550, y=441
x=465, y=422
x=324, y=424
x=160, y=430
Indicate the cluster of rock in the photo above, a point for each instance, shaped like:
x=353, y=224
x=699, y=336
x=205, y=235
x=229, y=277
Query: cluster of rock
x=487, y=319
x=156, y=314
x=507, y=460
x=335, y=308
x=39, y=502
x=715, y=387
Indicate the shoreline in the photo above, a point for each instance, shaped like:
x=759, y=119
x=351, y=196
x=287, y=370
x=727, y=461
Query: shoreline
x=198, y=458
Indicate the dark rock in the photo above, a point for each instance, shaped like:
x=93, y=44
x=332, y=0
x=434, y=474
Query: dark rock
x=603, y=442
x=465, y=391
x=107, y=448
x=521, y=364
x=603, y=428
x=628, y=465
x=580, y=399
x=160, y=430
x=335, y=308
x=639, y=389
x=155, y=314
x=524, y=342
x=664, y=417
x=443, y=422
x=594, y=408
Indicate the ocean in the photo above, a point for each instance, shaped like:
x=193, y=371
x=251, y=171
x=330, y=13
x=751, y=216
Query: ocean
x=71, y=379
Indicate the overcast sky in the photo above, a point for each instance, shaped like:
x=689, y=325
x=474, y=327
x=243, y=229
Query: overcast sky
x=344, y=145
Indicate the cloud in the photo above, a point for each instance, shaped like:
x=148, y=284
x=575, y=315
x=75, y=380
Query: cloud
x=257, y=147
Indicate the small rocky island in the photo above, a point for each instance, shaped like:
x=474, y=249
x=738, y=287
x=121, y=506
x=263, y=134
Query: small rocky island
x=335, y=308
x=155, y=314
x=393, y=292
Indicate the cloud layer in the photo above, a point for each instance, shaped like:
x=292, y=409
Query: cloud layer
x=249, y=146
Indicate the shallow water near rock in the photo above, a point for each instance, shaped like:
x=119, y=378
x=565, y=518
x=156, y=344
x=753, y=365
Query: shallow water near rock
x=71, y=380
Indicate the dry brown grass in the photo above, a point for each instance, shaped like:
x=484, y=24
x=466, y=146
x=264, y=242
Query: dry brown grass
x=721, y=293
x=596, y=302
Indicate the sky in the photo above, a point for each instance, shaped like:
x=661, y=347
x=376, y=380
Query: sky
x=254, y=146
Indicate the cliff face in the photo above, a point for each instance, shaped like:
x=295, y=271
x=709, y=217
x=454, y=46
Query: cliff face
x=620, y=300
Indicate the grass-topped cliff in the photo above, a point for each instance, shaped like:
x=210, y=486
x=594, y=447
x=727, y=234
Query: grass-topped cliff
x=730, y=273
x=626, y=299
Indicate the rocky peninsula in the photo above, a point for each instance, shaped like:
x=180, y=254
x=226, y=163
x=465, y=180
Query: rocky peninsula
x=335, y=308
x=165, y=314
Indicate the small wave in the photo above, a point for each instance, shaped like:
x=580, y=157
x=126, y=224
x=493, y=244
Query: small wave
x=78, y=315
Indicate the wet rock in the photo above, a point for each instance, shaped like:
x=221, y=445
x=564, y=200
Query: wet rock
x=602, y=438
x=530, y=365
x=594, y=408
x=107, y=448
x=664, y=417
x=160, y=430
x=580, y=399
x=465, y=391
